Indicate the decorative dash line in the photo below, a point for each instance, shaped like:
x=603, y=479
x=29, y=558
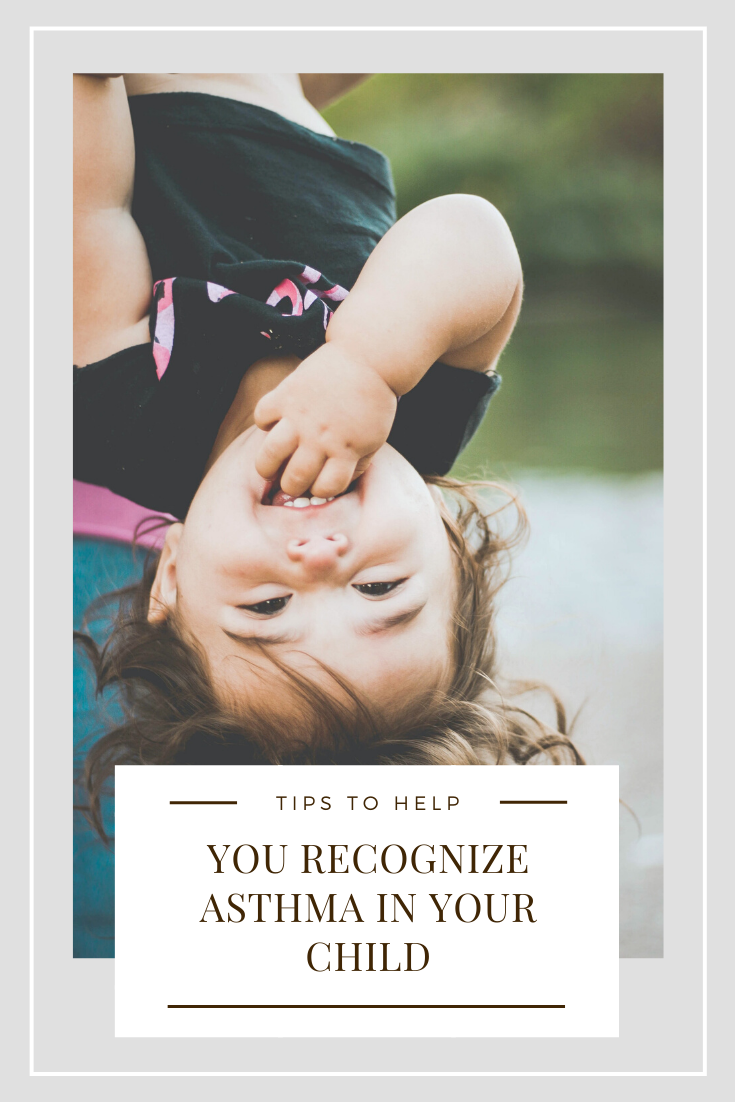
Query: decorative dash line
x=366, y=1006
x=202, y=801
x=532, y=801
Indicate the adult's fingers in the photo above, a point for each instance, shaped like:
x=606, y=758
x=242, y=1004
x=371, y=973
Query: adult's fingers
x=279, y=444
x=334, y=478
x=303, y=467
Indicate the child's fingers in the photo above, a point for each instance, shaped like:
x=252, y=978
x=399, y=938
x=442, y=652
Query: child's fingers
x=364, y=463
x=302, y=469
x=267, y=412
x=279, y=444
x=334, y=478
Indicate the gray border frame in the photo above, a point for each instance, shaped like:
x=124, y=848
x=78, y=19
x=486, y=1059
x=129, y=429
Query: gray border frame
x=653, y=1009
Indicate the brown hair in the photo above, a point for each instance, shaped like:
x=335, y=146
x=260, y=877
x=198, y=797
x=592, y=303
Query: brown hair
x=171, y=714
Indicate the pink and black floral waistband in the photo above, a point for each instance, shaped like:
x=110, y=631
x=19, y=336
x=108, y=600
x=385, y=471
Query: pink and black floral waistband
x=293, y=297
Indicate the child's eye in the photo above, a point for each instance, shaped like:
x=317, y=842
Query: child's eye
x=269, y=607
x=378, y=589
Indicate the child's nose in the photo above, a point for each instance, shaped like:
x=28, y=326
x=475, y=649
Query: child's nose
x=318, y=554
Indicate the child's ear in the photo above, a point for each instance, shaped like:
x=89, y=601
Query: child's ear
x=163, y=591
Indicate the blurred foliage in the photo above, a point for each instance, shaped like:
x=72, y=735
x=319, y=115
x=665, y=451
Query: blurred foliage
x=575, y=163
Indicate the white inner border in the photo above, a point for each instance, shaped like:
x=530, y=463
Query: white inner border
x=444, y=30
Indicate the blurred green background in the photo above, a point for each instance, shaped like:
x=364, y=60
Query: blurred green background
x=575, y=163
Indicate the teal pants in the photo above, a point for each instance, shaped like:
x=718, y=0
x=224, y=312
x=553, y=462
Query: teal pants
x=100, y=566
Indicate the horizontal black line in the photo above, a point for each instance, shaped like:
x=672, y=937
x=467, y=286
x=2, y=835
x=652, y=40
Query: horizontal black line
x=202, y=801
x=366, y=1006
x=533, y=801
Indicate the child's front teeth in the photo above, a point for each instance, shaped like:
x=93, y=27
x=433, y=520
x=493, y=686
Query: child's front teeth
x=302, y=502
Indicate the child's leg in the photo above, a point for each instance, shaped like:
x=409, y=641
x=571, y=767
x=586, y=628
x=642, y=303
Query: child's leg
x=112, y=279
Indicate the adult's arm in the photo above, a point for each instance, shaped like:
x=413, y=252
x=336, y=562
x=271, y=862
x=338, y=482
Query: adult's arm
x=321, y=89
x=112, y=278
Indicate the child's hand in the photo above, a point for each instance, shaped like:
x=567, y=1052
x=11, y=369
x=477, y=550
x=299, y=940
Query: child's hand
x=328, y=419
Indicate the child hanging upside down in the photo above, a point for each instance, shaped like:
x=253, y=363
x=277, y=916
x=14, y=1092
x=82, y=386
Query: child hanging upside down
x=266, y=354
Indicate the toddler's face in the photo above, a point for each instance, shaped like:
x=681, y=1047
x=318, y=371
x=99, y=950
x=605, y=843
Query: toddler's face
x=363, y=583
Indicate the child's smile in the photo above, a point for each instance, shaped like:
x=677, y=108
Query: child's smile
x=274, y=495
x=362, y=584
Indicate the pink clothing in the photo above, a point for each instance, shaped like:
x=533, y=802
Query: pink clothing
x=98, y=512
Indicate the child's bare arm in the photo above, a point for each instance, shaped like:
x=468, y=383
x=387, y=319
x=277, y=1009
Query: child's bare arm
x=112, y=280
x=444, y=284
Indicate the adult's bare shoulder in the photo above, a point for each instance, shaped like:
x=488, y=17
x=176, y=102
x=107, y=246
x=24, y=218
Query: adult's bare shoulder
x=321, y=89
x=112, y=279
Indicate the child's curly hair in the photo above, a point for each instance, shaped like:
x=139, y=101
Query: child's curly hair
x=171, y=714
